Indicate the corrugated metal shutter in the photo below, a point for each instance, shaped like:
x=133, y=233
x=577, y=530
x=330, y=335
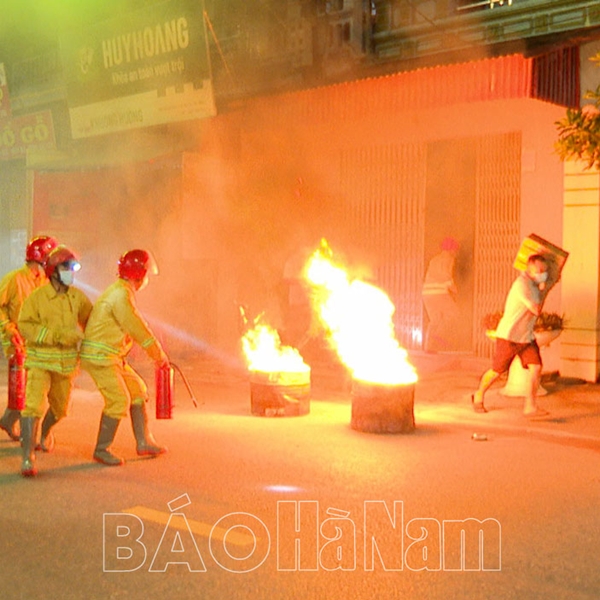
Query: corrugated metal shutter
x=497, y=222
x=476, y=81
x=384, y=189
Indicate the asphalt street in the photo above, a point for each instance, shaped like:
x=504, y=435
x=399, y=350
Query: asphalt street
x=246, y=507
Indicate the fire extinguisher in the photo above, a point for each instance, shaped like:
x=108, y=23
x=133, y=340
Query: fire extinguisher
x=17, y=377
x=164, y=390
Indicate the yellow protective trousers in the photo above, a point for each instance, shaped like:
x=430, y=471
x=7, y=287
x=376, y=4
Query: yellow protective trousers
x=47, y=387
x=119, y=385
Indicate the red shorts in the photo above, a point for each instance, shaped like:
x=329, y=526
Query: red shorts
x=506, y=351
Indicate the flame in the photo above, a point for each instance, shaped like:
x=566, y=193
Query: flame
x=358, y=319
x=264, y=352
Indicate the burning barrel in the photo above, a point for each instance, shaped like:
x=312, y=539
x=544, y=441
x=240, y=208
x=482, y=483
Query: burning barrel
x=358, y=320
x=382, y=408
x=279, y=394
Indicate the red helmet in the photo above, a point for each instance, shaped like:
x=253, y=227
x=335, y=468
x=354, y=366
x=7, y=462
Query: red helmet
x=59, y=256
x=39, y=247
x=450, y=243
x=135, y=264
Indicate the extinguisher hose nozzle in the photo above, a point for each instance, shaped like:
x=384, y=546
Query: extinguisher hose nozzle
x=187, y=385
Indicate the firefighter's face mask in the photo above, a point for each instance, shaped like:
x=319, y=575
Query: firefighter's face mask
x=66, y=272
x=66, y=276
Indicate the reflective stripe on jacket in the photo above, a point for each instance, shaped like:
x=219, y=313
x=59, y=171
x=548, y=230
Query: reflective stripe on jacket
x=437, y=288
x=439, y=278
x=45, y=314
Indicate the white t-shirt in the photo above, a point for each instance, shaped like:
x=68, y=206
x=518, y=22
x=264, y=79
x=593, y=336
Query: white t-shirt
x=517, y=322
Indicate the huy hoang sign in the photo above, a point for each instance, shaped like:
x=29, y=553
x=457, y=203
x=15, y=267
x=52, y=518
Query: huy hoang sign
x=147, y=68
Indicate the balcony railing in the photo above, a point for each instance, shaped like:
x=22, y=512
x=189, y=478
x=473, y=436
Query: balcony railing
x=471, y=24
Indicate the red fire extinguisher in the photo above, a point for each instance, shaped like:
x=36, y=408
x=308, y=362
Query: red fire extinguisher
x=164, y=390
x=17, y=377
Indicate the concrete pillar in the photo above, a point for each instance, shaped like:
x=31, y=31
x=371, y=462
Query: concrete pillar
x=580, y=341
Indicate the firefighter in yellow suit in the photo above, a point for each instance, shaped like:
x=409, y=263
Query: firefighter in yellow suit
x=114, y=325
x=51, y=321
x=14, y=288
x=439, y=298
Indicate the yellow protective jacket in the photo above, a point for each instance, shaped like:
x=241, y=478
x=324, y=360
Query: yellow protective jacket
x=115, y=323
x=439, y=278
x=14, y=288
x=46, y=317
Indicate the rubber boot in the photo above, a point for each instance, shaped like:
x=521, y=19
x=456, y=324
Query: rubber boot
x=47, y=440
x=146, y=444
x=29, y=428
x=7, y=423
x=106, y=435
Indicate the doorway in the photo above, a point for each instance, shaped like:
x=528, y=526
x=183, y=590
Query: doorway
x=450, y=210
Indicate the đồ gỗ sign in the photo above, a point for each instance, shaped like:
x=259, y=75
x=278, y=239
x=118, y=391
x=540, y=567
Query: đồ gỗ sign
x=34, y=131
x=148, y=67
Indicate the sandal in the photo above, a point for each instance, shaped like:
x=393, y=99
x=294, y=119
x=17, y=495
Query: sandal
x=478, y=407
x=539, y=413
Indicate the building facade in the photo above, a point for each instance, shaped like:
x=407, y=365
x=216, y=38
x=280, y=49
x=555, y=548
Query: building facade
x=381, y=146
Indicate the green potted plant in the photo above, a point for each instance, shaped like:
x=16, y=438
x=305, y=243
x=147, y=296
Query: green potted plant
x=547, y=326
x=579, y=129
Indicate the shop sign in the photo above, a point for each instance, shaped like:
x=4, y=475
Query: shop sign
x=145, y=68
x=4, y=98
x=27, y=132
